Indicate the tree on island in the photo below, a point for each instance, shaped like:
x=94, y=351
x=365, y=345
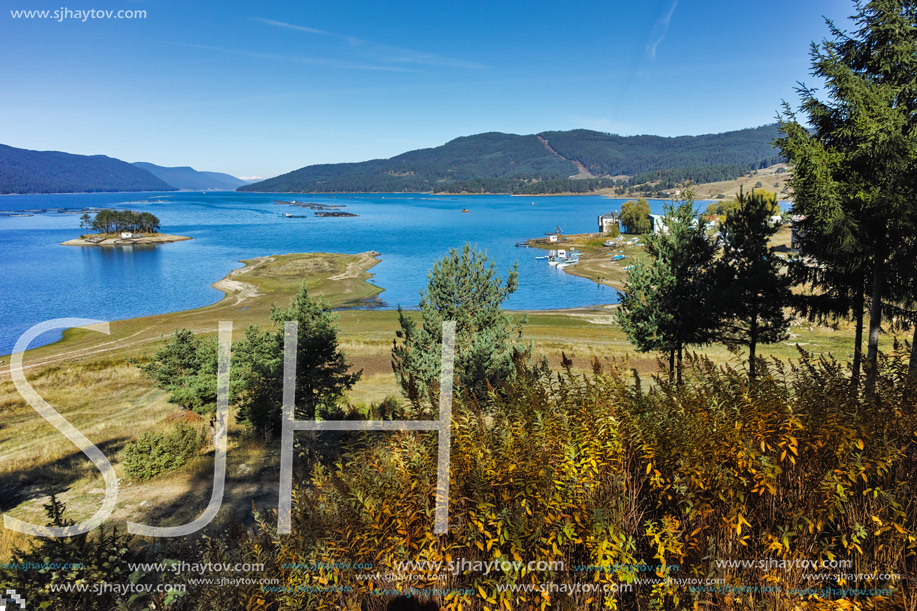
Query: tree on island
x=751, y=291
x=635, y=216
x=667, y=303
x=115, y=221
x=463, y=287
x=856, y=168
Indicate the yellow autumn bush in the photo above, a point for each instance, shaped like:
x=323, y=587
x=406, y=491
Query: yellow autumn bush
x=704, y=495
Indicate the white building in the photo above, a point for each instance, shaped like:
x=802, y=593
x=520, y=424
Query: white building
x=607, y=221
x=657, y=223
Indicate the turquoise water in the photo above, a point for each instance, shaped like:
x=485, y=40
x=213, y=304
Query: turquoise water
x=42, y=279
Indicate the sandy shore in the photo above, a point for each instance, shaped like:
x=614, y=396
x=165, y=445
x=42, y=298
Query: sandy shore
x=159, y=238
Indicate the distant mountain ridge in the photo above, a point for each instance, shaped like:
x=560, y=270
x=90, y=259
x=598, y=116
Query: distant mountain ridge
x=185, y=177
x=27, y=171
x=547, y=162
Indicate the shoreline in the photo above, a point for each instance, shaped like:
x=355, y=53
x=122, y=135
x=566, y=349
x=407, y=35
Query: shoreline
x=88, y=192
x=600, y=193
x=239, y=295
x=159, y=238
x=347, y=288
x=595, y=261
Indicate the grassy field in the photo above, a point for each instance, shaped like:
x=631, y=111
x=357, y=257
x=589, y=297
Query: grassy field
x=87, y=378
x=772, y=178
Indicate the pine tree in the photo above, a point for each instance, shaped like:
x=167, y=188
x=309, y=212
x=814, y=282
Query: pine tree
x=186, y=367
x=463, y=287
x=322, y=371
x=751, y=290
x=855, y=170
x=667, y=303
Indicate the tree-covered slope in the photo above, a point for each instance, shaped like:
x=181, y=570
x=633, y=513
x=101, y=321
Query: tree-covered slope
x=185, y=177
x=25, y=171
x=612, y=155
x=488, y=156
x=497, y=162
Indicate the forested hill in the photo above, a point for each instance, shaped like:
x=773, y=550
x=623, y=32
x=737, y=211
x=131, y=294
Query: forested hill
x=543, y=163
x=471, y=158
x=701, y=158
x=185, y=177
x=25, y=171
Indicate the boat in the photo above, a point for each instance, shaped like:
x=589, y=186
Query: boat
x=465, y=210
x=559, y=257
x=618, y=257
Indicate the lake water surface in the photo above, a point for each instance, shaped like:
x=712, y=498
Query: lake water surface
x=42, y=280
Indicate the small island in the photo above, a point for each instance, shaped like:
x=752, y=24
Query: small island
x=122, y=228
x=323, y=210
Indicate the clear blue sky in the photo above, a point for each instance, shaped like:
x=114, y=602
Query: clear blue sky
x=261, y=88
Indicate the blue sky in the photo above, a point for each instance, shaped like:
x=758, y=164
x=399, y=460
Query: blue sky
x=262, y=88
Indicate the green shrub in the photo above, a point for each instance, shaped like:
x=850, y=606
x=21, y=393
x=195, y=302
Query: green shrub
x=102, y=556
x=156, y=453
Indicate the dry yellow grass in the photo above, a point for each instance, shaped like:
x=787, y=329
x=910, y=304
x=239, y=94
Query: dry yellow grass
x=771, y=179
x=86, y=377
x=709, y=190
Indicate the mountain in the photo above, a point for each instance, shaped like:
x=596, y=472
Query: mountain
x=550, y=162
x=491, y=155
x=639, y=156
x=188, y=178
x=25, y=171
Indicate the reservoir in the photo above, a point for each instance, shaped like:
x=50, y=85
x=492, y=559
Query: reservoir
x=42, y=280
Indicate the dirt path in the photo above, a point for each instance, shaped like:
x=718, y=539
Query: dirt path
x=230, y=286
x=355, y=268
x=583, y=172
x=241, y=290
